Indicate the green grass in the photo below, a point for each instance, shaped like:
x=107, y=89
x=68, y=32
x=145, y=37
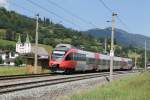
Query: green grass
x=2, y=31
x=12, y=70
x=6, y=42
x=129, y=88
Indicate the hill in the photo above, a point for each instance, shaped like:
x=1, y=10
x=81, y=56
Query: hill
x=122, y=37
x=12, y=24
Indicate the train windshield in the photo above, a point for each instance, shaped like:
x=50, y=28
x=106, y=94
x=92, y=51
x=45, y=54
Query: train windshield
x=58, y=55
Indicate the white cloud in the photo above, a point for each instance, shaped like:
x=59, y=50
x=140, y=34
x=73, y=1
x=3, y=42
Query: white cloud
x=4, y=3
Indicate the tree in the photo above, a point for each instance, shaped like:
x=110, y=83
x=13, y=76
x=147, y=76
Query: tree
x=9, y=35
x=18, y=61
x=1, y=60
x=47, y=21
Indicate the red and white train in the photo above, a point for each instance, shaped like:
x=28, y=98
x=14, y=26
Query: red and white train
x=66, y=58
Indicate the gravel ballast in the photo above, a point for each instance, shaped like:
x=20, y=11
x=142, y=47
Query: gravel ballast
x=55, y=91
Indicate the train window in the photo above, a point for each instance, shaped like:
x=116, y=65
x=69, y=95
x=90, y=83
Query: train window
x=103, y=62
x=58, y=55
x=87, y=60
x=91, y=61
x=129, y=62
x=83, y=57
x=107, y=62
x=75, y=57
x=69, y=56
x=115, y=63
x=118, y=63
x=99, y=62
x=79, y=57
x=96, y=61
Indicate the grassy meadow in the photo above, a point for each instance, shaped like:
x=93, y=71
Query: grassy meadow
x=129, y=88
x=12, y=70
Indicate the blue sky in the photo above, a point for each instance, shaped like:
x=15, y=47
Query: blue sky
x=134, y=13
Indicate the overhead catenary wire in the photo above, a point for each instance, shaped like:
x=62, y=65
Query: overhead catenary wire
x=72, y=14
x=51, y=12
x=123, y=23
x=111, y=11
x=24, y=8
x=69, y=12
x=103, y=3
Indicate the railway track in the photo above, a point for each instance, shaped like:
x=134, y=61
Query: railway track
x=11, y=77
x=47, y=82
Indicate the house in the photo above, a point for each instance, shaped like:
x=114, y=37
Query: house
x=43, y=57
x=8, y=57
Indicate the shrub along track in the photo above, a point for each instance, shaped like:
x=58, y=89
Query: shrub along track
x=47, y=82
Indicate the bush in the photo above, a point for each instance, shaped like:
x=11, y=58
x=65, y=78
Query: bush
x=18, y=61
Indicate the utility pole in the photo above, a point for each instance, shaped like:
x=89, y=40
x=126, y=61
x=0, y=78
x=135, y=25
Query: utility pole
x=145, y=56
x=112, y=47
x=135, y=60
x=105, y=46
x=36, y=45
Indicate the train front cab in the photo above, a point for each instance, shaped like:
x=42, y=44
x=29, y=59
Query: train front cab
x=55, y=60
x=62, y=63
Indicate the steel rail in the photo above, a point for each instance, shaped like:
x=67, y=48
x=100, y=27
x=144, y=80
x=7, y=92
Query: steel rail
x=10, y=77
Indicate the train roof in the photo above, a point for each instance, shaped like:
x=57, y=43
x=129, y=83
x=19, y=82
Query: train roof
x=89, y=53
x=64, y=47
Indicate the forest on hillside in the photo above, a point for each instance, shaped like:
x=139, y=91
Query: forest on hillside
x=12, y=24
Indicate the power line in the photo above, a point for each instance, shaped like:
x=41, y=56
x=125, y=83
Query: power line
x=122, y=22
x=45, y=9
x=103, y=3
x=24, y=8
x=111, y=11
x=72, y=14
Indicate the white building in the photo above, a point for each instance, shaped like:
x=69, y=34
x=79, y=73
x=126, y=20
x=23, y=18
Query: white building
x=8, y=57
x=23, y=48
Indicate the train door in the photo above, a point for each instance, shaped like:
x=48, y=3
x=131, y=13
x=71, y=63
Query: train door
x=81, y=61
x=69, y=61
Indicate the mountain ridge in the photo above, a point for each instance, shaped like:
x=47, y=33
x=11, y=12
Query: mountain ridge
x=121, y=36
